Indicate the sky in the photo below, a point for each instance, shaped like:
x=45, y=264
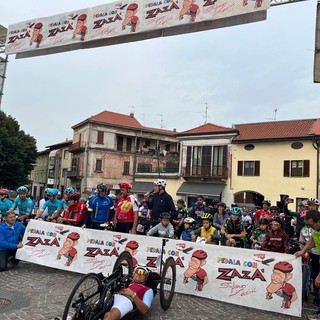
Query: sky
x=242, y=74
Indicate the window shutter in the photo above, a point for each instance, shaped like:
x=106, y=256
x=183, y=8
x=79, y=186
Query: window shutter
x=225, y=156
x=100, y=137
x=257, y=168
x=306, y=168
x=240, y=168
x=286, y=168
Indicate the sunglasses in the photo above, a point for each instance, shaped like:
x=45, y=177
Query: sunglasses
x=274, y=211
x=140, y=272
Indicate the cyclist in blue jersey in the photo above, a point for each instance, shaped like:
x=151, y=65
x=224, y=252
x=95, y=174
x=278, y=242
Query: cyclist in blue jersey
x=99, y=208
x=5, y=203
x=53, y=204
x=23, y=203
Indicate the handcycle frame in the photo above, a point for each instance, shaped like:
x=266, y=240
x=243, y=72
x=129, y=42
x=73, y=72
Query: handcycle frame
x=93, y=295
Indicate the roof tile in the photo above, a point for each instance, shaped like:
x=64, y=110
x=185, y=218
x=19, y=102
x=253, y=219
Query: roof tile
x=208, y=128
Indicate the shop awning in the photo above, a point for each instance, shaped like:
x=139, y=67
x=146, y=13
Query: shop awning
x=54, y=153
x=142, y=187
x=206, y=189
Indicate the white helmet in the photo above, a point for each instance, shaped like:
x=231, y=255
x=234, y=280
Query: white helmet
x=189, y=220
x=161, y=182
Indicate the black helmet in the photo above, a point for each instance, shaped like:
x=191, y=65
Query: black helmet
x=264, y=221
x=180, y=201
x=221, y=204
x=102, y=187
x=165, y=215
x=276, y=219
x=274, y=208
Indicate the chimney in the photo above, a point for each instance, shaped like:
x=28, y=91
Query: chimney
x=174, y=130
x=131, y=115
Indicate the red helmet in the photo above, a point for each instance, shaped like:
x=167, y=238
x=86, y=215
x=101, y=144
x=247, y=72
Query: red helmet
x=133, y=245
x=38, y=25
x=4, y=191
x=125, y=185
x=283, y=266
x=82, y=17
x=74, y=196
x=200, y=254
x=132, y=6
x=73, y=236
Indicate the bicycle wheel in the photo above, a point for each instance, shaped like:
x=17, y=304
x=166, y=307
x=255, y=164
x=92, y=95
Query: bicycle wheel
x=124, y=261
x=305, y=283
x=167, y=283
x=84, y=302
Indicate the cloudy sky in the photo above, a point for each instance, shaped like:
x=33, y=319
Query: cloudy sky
x=243, y=73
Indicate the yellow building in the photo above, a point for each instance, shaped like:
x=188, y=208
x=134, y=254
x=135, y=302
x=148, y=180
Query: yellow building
x=276, y=158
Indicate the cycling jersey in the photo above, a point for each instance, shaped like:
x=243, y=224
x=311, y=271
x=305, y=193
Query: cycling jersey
x=212, y=232
x=25, y=207
x=161, y=202
x=186, y=235
x=76, y=214
x=277, y=241
x=259, y=235
x=5, y=205
x=233, y=227
x=195, y=212
x=126, y=208
x=52, y=206
x=99, y=209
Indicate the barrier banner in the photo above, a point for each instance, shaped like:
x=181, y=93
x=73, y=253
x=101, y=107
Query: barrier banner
x=119, y=19
x=258, y=279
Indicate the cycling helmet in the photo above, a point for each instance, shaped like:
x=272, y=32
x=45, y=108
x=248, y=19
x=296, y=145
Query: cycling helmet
x=283, y=266
x=303, y=203
x=102, y=187
x=161, y=183
x=69, y=190
x=132, y=245
x=266, y=202
x=206, y=216
x=52, y=192
x=189, y=220
x=200, y=254
x=4, y=191
x=113, y=196
x=165, y=215
x=264, y=221
x=313, y=201
x=236, y=211
x=276, y=219
x=221, y=204
x=74, y=236
x=22, y=189
x=125, y=185
x=180, y=201
x=303, y=214
x=274, y=208
x=74, y=196
x=143, y=267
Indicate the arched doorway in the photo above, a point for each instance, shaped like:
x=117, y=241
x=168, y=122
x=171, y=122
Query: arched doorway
x=248, y=197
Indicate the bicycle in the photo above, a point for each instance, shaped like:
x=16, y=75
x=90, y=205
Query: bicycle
x=93, y=295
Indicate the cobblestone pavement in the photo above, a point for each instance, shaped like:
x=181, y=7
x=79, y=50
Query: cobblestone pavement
x=36, y=292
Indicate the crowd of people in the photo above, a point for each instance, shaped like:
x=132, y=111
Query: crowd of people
x=266, y=228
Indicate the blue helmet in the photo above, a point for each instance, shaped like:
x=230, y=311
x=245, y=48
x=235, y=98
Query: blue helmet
x=52, y=192
x=22, y=189
x=69, y=190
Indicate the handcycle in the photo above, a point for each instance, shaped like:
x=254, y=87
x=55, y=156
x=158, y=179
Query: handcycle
x=93, y=295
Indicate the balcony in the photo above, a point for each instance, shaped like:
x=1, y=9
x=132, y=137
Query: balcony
x=77, y=147
x=205, y=172
x=154, y=165
x=74, y=174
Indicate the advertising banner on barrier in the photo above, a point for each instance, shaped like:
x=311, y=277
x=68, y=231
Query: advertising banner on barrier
x=258, y=279
x=119, y=19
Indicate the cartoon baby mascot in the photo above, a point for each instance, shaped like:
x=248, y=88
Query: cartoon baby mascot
x=132, y=247
x=68, y=250
x=195, y=271
x=37, y=37
x=130, y=18
x=282, y=273
x=189, y=8
x=81, y=29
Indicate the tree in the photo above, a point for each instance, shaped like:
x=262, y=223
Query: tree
x=18, y=153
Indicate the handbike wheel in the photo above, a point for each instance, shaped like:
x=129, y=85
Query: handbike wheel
x=124, y=261
x=85, y=299
x=167, y=283
x=305, y=284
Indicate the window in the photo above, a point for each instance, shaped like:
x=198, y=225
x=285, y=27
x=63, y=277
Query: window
x=249, y=147
x=100, y=137
x=66, y=154
x=249, y=168
x=98, y=165
x=129, y=144
x=296, y=168
x=296, y=145
x=120, y=144
x=126, y=168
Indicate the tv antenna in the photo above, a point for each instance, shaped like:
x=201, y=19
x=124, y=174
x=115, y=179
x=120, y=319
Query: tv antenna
x=274, y=115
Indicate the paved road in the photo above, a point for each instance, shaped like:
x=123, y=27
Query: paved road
x=36, y=292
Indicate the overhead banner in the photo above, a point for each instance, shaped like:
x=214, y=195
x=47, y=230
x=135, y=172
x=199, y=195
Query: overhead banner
x=257, y=279
x=118, y=19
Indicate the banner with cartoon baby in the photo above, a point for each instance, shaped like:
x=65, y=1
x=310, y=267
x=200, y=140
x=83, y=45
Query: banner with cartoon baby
x=125, y=18
x=263, y=280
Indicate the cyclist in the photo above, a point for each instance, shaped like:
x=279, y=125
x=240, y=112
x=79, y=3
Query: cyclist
x=233, y=229
x=23, y=203
x=264, y=212
x=137, y=295
x=164, y=229
x=53, y=204
x=188, y=229
x=207, y=231
x=313, y=204
x=127, y=212
x=178, y=217
x=76, y=212
x=276, y=239
x=197, y=210
x=65, y=200
x=5, y=203
x=99, y=209
x=259, y=234
x=161, y=200
x=220, y=216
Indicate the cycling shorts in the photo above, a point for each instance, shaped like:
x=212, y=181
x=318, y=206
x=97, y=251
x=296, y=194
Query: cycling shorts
x=123, y=304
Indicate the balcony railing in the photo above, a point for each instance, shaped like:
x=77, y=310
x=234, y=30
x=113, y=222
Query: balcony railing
x=77, y=147
x=74, y=174
x=156, y=164
x=205, y=172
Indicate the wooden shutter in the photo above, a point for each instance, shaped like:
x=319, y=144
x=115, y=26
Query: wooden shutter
x=100, y=137
x=240, y=168
x=306, y=168
x=257, y=168
x=286, y=168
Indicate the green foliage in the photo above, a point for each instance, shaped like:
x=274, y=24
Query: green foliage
x=18, y=153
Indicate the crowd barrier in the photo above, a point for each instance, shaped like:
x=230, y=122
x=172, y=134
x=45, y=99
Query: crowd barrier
x=257, y=279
